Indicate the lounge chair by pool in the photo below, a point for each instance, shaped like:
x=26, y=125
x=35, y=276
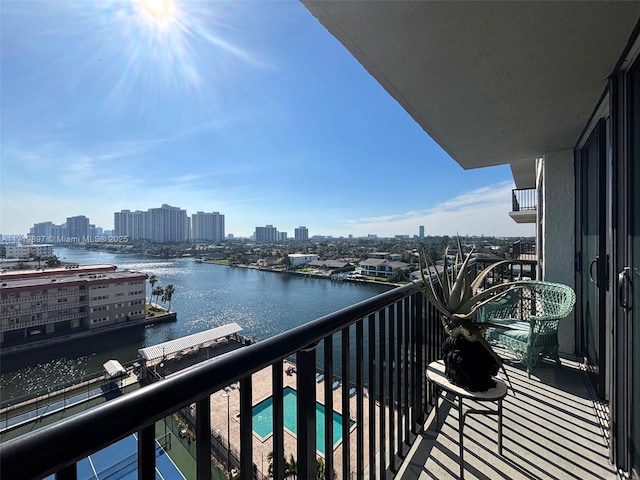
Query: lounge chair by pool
x=319, y=378
x=352, y=391
x=336, y=384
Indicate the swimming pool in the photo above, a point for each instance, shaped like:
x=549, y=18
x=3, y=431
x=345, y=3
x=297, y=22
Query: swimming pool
x=263, y=419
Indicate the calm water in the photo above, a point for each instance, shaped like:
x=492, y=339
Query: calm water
x=206, y=296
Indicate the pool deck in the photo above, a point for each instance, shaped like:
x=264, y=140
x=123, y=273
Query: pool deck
x=261, y=390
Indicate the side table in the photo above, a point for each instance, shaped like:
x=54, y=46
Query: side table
x=435, y=374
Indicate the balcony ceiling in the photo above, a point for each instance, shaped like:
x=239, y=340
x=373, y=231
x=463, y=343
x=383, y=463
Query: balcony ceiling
x=491, y=83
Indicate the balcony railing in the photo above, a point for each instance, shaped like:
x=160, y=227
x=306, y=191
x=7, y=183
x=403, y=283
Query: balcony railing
x=384, y=345
x=379, y=347
x=523, y=249
x=524, y=199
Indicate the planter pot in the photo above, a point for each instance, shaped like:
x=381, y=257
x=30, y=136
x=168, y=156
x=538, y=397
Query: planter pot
x=468, y=364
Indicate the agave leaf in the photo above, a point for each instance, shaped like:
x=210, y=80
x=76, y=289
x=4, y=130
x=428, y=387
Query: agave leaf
x=446, y=281
x=456, y=292
x=490, y=294
x=428, y=289
x=481, y=276
x=436, y=301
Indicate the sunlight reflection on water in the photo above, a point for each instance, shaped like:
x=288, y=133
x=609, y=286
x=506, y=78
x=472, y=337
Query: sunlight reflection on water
x=206, y=296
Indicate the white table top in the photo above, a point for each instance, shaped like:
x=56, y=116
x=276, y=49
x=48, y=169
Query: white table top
x=435, y=373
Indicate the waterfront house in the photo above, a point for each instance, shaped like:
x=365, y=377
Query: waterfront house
x=550, y=88
x=298, y=259
x=378, y=267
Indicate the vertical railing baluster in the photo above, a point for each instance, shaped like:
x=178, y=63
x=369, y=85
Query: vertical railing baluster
x=328, y=407
x=306, y=412
x=147, y=453
x=406, y=376
x=423, y=358
x=390, y=371
x=246, y=428
x=412, y=364
x=381, y=374
x=278, y=420
x=346, y=415
x=417, y=366
x=372, y=396
x=398, y=380
x=359, y=401
x=203, y=437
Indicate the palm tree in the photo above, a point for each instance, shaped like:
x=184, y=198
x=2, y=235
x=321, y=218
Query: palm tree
x=168, y=294
x=157, y=292
x=152, y=280
x=321, y=469
x=52, y=261
x=290, y=467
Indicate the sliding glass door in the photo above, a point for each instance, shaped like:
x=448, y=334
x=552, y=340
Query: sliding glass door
x=592, y=258
x=630, y=295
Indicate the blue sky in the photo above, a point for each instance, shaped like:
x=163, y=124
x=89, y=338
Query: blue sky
x=251, y=109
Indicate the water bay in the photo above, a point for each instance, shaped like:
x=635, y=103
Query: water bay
x=206, y=296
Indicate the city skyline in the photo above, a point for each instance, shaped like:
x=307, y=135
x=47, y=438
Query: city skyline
x=247, y=108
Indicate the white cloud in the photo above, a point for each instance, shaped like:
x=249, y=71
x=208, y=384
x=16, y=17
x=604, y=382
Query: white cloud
x=480, y=211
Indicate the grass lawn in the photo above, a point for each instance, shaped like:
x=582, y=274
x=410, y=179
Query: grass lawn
x=218, y=262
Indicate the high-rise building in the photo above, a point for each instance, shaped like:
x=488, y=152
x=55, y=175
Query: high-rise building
x=129, y=224
x=207, y=226
x=266, y=234
x=301, y=234
x=42, y=232
x=167, y=224
x=77, y=228
x=421, y=230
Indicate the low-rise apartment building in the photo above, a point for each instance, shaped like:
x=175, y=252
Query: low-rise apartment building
x=38, y=304
x=28, y=250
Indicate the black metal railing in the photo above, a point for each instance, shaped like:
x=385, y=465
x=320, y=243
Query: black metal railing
x=524, y=199
x=505, y=272
x=523, y=247
x=379, y=347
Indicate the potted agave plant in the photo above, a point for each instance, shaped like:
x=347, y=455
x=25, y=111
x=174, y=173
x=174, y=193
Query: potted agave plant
x=470, y=361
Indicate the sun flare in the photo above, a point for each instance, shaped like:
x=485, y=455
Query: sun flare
x=159, y=10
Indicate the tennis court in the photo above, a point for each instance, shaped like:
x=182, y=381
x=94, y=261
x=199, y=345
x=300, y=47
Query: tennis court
x=119, y=461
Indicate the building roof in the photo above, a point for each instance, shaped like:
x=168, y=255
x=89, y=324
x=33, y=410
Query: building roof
x=57, y=271
x=113, y=368
x=58, y=280
x=182, y=344
x=374, y=262
x=491, y=82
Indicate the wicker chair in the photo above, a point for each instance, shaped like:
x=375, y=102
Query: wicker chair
x=531, y=314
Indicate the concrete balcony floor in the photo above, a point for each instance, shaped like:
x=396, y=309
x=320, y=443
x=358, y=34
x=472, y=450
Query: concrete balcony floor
x=553, y=429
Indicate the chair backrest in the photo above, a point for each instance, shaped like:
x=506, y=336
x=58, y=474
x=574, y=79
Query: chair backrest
x=553, y=301
x=533, y=300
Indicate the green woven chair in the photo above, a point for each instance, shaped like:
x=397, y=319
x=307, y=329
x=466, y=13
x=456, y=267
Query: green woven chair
x=530, y=314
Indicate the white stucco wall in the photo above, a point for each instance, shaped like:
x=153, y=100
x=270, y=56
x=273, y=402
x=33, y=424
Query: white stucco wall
x=558, y=230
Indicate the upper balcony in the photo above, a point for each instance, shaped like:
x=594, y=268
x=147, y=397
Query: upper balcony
x=373, y=356
x=525, y=205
